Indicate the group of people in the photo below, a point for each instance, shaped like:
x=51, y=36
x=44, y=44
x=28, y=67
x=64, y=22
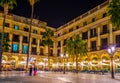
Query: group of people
x=32, y=71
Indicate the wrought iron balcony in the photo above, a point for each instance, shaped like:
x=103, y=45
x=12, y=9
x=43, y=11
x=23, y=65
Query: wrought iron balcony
x=91, y=36
x=12, y=51
x=25, y=41
x=93, y=49
x=34, y=43
x=33, y=53
x=104, y=32
x=15, y=40
x=103, y=47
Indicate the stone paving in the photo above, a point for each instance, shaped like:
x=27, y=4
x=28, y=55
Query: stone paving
x=54, y=77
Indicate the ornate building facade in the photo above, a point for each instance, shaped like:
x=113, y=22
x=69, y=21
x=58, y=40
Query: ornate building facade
x=94, y=27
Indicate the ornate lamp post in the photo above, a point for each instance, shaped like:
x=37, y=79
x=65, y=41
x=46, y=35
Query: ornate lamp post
x=64, y=56
x=111, y=51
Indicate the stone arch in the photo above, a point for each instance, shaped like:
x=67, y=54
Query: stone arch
x=85, y=58
x=14, y=58
x=4, y=57
x=117, y=55
x=94, y=57
x=22, y=59
x=105, y=55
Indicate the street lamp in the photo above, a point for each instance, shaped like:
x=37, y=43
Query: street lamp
x=64, y=56
x=111, y=51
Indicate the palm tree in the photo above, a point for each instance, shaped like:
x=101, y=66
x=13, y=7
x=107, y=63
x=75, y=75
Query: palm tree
x=6, y=40
x=76, y=47
x=48, y=38
x=114, y=12
x=32, y=3
x=6, y=4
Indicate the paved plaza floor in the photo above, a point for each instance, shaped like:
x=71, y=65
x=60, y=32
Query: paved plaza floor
x=56, y=77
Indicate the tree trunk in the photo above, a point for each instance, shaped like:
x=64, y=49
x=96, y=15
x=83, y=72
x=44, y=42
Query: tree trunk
x=1, y=50
x=73, y=61
x=29, y=42
x=48, y=57
x=76, y=63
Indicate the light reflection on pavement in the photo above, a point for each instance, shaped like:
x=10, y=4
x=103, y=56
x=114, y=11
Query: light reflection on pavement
x=54, y=77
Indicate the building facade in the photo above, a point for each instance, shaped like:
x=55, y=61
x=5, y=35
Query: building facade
x=17, y=29
x=94, y=27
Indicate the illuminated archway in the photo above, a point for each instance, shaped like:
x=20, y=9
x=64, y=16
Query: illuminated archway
x=105, y=61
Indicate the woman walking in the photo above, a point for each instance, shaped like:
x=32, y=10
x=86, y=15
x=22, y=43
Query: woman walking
x=35, y=70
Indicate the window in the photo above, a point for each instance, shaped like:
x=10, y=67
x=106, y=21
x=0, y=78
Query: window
x=26, y=29
x=77, y=27
x=118, y=40
x=104, y=15
x=59, y=44
x=105, y=29
x=70, y=30
x=25, y=49
x=34, y=41
x=58, y=52
x=70, y=38
x=15, y=47
x=65, y=40
x=16, y=27
x=35, y=31
x=84, y=23
x=16, y=38
x=93, y=19
x=7, y=24
x=33, y=50
x=85, y=35
x=93, y=32
x=41, y=43
x=59, y=34
x=104, y=43
x=93, y=45
x=41, y=51
x=25, y=39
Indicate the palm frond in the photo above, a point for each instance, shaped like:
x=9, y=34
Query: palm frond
x=76, y=46
x=10, y=3
x=114, y=12
x=32, y=2
x=48, y=37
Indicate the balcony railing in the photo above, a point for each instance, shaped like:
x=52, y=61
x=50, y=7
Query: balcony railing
x=25, y=41
x=14, y=51
x=91, y=36
x=41, y=44
x=42, y=54
x=34, y=43
x=15, y=40
x=104, y=32
x=93, y=49
x=24, y=52
x=34, y=53
x=103, y=47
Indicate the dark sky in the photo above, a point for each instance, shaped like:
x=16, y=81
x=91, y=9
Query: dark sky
x=55, y=12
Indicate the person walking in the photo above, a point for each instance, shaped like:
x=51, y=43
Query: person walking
x=30, y=71
x=35, y=70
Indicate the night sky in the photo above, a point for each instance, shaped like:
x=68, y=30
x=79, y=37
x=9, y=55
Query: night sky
x=55, y=12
